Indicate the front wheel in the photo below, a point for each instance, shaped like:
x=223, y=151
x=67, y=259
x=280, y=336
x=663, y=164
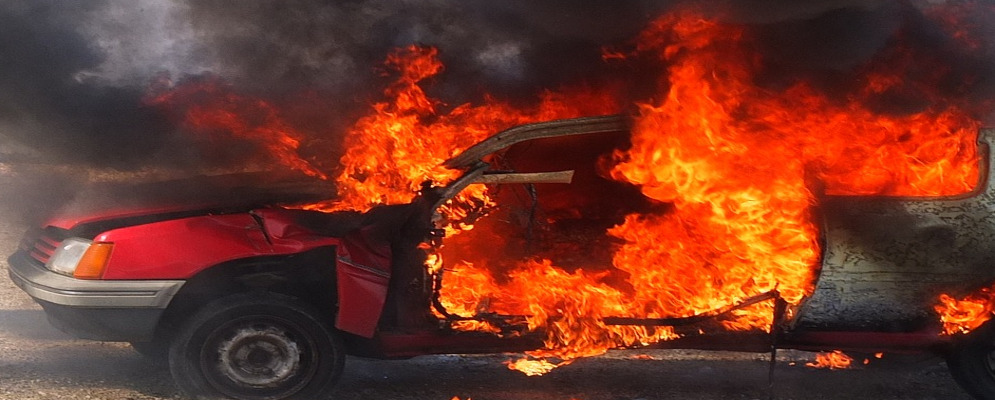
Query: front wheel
x=255, y=347
x=972, y=362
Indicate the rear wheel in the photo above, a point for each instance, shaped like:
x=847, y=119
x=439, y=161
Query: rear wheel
x=972, y=363
x=254, y=347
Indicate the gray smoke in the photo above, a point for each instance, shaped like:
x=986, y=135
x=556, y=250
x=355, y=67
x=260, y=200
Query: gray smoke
x=73, y=74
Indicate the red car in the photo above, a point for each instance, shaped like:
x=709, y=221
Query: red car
x=250, y=300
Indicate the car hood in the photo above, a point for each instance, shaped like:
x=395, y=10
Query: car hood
x=134, y=203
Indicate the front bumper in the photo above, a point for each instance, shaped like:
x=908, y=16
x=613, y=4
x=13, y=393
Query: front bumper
x=94, y=309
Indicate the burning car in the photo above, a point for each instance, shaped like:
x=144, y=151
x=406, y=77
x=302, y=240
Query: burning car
x=249, y=294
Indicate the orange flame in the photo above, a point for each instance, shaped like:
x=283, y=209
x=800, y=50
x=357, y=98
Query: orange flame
x=965, y=315
x=735, y=161
x=732, y=158
x=832, y=360
x=739, y=164
x=876, y=355
x=533, y=367
x=960, y=20
x=391, y=152
x=211, y=108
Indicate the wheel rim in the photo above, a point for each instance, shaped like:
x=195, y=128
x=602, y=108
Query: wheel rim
x=258, y=357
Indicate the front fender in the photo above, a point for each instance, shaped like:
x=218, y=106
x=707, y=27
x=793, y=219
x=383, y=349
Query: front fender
x=180, y=248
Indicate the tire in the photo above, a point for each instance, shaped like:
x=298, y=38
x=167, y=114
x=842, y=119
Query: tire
x=972, y=362
x=255, y=347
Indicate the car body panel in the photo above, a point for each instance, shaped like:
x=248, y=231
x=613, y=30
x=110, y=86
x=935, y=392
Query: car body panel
x=363, y=270
x=180, y=248
x=887, y=260
x=285, y=233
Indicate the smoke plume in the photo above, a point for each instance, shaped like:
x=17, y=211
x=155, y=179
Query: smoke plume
x=74, y=75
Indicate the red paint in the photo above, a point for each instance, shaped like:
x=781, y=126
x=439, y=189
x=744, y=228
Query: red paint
x=286, y=235
x=363, y=272
x=180, y=248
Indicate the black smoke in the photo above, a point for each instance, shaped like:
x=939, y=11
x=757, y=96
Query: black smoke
x=44, y=106
x=73, y=75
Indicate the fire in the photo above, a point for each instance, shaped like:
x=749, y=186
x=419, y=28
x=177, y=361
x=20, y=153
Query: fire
x=728, y=171
x=736, y=162
x=733, y=157
x=569, y=307
x=404, y=142
x=832, y=360
x=533, y=367
x=964, y=315
x=960, y=20
x=210, y=108
x=876, y=355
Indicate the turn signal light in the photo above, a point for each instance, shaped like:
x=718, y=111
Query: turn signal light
x=93, y=262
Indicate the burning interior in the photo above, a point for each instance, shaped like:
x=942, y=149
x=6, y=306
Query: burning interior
x=709, y=197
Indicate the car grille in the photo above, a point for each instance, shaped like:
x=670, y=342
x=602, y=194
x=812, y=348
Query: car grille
x=40, y=244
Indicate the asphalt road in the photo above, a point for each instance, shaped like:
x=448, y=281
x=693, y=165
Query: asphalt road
x=39, y=362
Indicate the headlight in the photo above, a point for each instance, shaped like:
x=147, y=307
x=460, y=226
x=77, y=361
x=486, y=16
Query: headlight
x=80, y=258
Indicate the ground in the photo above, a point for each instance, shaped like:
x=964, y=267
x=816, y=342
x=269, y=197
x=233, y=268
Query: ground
x=39, y=362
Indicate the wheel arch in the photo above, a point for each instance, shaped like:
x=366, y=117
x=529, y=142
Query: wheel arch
x=309, y=276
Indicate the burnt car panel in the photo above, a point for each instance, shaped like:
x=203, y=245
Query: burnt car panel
x=887, y=260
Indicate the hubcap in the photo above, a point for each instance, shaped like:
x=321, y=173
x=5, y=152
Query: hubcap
x=260, y=356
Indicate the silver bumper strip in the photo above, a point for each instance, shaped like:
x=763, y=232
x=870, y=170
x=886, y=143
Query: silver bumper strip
x=42, y=284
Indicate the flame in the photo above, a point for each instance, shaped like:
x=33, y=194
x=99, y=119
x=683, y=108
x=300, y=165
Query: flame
x=569, y=306
x=876, y=355
x=211, y=108
x=961, y=21
x=736, y=161
x=732, y=157
x=832, y=360
x=403, y=143
x=738, y=164
x=964, y=315
x=533, y=367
